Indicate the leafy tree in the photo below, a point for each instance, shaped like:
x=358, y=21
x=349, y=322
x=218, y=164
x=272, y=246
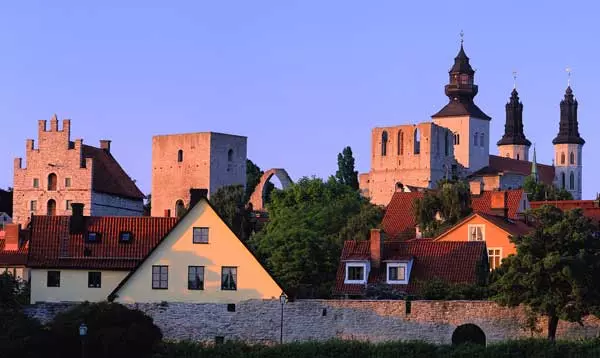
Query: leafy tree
x=113, y=331
x=230, y=204
x=443, y=208
x=14, y=292
x=538, y=191
x=309, y=221
x=346, y=173
x=556, y=271
x=148, y=205
x=21, y=335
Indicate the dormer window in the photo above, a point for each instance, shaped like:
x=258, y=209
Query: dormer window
x=397, y=273
x=125, y=236
x=356, y=272
x=93, y=237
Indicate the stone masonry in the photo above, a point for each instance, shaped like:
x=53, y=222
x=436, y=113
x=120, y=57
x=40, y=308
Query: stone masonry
x=258, y=321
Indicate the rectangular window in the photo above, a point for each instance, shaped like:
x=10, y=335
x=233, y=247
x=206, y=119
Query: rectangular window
x=125, y=236
x=396, y=273
x=476, y=232
x=195, y=277
x=160, y=277
x=355, y=273
x=68, y=204
x=494, y=257
x=36, y=183
x=229, y=278
x=53, y=279
x=94, y=279
x=33, y=205
x=200, y=235
x=93, y=237
x=67, y=182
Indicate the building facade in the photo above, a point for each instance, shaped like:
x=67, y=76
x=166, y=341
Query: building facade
x=59, y=172
x=181, y=162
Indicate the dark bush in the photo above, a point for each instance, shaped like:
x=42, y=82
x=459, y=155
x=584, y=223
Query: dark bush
x=20, y=335
x=114, y=331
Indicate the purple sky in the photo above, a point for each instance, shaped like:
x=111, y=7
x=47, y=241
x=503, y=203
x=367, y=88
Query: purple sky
x=302, y=79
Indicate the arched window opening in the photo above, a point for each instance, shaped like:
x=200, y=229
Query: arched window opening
x=179, y=208
x=562, y=158
x=562, y=180
x=180, y=156
x=518, y=156
x=384, y=139
x=456, y=139
x=400, y=143
x=447, y=144
x=230, y=155
x=468, y=333
x=51, y=208
x=572, y=181
x=482, y=140
x=572, y=158
x=417, y=141
x=476, y=139
x=52, y=181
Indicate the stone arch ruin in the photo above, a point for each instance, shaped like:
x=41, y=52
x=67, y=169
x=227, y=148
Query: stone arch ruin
x=257, y=199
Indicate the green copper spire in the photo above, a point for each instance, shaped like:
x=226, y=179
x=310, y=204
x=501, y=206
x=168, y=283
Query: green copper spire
x=534, y=171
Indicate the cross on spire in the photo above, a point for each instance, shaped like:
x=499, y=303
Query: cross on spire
x=568, y=69
x=514, y=79
x=462, y=37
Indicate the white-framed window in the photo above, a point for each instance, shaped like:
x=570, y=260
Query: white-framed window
x=356, y=272
x=494, y=257
x=477, y=232
x=397, y=273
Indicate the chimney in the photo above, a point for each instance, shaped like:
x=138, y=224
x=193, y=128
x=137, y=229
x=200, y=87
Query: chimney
x=105, y=145
x=76, y=223
x=11, y=236
x=475, y=187
x=167, y=213
x=499, y=203
x=196, y=195
x=377, y=238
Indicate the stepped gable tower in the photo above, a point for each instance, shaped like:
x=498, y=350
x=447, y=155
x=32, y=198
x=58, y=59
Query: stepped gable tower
x=568, y=146
x=513, y=143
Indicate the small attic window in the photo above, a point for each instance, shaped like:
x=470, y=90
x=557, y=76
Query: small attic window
x=93, y=237
x=125, y=236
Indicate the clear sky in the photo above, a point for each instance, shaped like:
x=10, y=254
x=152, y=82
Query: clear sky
x=301, y=79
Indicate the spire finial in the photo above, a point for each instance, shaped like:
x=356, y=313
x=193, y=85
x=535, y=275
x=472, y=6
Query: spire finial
x=514, y=79
x=462, y=37
x=568, y=69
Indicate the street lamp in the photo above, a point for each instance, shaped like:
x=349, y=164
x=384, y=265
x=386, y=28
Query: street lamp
x=283, y=300
x=82, y=333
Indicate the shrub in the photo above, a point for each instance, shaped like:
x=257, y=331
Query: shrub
x=114, y=331
x=20, y=335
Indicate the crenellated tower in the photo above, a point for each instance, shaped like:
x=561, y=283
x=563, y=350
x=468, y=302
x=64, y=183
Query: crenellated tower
x=513, y=143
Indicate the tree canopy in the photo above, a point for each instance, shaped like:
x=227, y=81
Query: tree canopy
x=538, y=191
x=346, y=173
x=556, y=271
x=229, y=202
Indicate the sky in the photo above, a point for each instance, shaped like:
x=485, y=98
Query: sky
x=301, y=79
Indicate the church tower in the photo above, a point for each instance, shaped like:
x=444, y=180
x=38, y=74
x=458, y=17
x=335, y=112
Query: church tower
x=468, y=123
x=568, y=146
x=513, y=143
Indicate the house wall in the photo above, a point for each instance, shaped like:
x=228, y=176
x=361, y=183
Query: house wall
x=514, y=151
x=73, y=286
x=494, y=236
x=178, y=252
x=112, y=205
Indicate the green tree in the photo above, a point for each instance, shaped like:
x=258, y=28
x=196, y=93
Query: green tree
x=346, y=173
x=309, y=221
x=538, y=191
x=443, y=207
x=148, y=205
x=253, y=174
x=556, y=271
x=229, y=202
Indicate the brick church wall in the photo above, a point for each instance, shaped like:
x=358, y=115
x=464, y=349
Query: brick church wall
x=111, y=205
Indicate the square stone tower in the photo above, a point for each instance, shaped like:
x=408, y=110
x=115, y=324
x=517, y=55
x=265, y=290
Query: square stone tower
x=205, y=160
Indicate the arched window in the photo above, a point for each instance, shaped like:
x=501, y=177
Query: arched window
x=562, y=180
x=518, y=156
x=417, y=141
x=482, y=139
x=562, y=158
x=180, y=156
x=400, y=143
x=447, y=144
x=179, y=208
x=456, y=139
x=51, y=208
x=476, y=139
x=572, y=158
x=230, y=155
x=384, y=139
x=52, y=181
x=572, y=181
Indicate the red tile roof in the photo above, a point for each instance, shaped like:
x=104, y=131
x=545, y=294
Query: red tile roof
x=590, y=208
x=13, y=257
x=483, y=203
x=450, y=261
x=48, y=250
x=499, y=164
x=399, y=219
x=513, y=227
x=109, y=177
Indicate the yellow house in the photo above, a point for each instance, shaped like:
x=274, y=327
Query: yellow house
x=494, y=230
x=200, y=260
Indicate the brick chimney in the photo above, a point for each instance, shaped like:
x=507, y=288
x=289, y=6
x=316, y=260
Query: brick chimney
x=499, y=204
x=196, y=195
x=167, y=213
x=475, y=187
x=376, y=239
x=11, y=236
x=76, y=223
x=105, y=145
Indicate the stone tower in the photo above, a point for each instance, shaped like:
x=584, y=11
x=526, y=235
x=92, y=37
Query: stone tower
x=513, y=143
x=469, y=124
x=568, y=146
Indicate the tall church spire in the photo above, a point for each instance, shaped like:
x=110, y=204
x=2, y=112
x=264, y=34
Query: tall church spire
x=568, y=131
x=534, y=171
x=513, y=128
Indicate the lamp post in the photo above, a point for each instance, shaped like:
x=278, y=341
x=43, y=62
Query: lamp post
x=283, y=300
x=82, y=333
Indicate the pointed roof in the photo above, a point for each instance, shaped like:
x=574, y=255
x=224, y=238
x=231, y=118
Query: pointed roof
x=568, y=132
x=513, y=128
x=461, y=63
x=534, y=171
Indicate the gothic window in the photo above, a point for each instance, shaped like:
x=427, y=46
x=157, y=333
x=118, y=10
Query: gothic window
x=51, y=209
x=518, y=156
x=572, y=181
x=180, y=156
x=562, y=159
x=456, y=139
x=400, y=143
x=572, y=158
x=384, y=139
x=446, y=144
x=230, y=155
x=562, y=180
x=482, y=139
x=179, y=208
x=417, y=141
x=52, y=181
x=476, y=139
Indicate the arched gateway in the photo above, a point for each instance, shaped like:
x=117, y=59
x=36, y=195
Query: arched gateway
x=257, y=199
